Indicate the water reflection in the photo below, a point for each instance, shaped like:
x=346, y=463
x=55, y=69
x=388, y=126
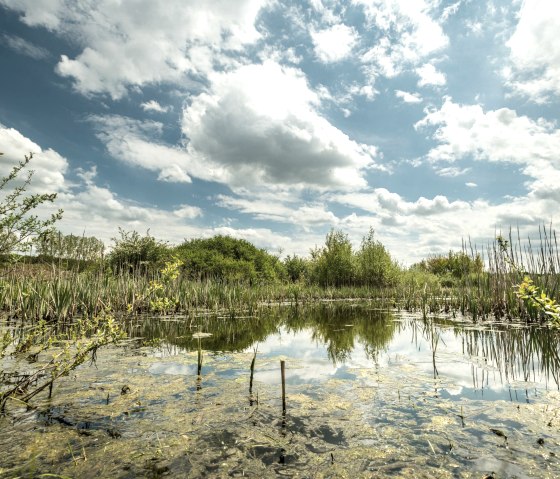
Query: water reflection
x=493, y=361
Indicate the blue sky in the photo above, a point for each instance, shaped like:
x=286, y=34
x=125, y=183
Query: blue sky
x=429, y=120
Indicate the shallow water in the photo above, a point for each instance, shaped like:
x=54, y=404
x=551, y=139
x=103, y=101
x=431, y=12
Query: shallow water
x=370, y=393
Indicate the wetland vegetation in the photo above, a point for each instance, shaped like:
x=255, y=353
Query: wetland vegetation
x=157, y=359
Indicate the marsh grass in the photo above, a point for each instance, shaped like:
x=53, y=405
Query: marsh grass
x=493, y=292
x=69, y=294
x=59, y=294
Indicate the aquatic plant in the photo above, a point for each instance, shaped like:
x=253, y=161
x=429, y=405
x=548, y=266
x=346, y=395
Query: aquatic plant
x=537, y=301
x=54, y=351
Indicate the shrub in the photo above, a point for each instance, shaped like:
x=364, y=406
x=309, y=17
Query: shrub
x=134, y=253
x=226, y=258
x=296, y=268
x=334, y=264
x=374, y=263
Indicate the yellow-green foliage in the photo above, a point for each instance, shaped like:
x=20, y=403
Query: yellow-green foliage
x=537, y=301
x=159, y=291
x=57, y=352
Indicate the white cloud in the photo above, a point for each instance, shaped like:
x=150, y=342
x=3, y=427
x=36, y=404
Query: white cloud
x=136, y=142
x=283, y=56
x=430, y=75
x=366, y=91
x=382, y=200
x=259, y=125
x=334, y=43
x=474, y=27
x=326, y=13
x=470, y=184
x=153, y=105
x=135, y=44
x=276, y=208
x=255, y=128
x=502, y=136
x=451, y=171
x=48, y=165
x=436, y=225
x=46, y=14
x=25, y=47
x=97, y=211
x=261, y=237
x=496, y=135
x=187, y=211
x=432, y=225
x=408, y=33
x=408, y=97
x=450, y=10
x=535, y=50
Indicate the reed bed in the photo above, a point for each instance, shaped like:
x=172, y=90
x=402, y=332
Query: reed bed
x=492, y=292
x=89, y=294
x=489, y=293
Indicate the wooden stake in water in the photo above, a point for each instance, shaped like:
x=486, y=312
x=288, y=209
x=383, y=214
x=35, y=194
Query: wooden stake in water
x=283, y=372
x=251, y=396
x=199, y=367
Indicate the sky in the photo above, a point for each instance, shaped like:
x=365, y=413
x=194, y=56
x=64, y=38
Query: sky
x=275, y=121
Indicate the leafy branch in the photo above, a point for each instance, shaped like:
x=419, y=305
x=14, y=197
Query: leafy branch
x=17, y=225
x=80, y=342
x=536, y=300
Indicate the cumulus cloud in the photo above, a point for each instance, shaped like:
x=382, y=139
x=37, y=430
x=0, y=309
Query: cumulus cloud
x=535, y=51
x=98, y=211
x=408, y=97
x=187, y=211
x=408, y=33
x=48, y=165
x=137, y=143
x=141, y=43
x=450, y=10
x=383, y=200
x=496, y=135
x=46, y=14
x=334, y=43
x=257, y=127
x=260, y=124
x=467, y=131
x=153, y=105
x=305, y=216
x=430, y=75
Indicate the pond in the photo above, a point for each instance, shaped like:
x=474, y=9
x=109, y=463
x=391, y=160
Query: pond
x=369, y=393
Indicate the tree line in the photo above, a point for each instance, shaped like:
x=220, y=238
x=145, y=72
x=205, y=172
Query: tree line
x=336, y=263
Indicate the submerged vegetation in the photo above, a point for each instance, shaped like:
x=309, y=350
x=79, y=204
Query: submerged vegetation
x=51, y=351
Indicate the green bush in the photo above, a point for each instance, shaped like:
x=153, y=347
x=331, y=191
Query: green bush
x=335, y=263
x=374, y=263
x=451, y=267
x=297, y=269
x=226, y=258
x=137, y=254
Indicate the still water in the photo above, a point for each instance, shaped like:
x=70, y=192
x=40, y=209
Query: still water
x=369, y=393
